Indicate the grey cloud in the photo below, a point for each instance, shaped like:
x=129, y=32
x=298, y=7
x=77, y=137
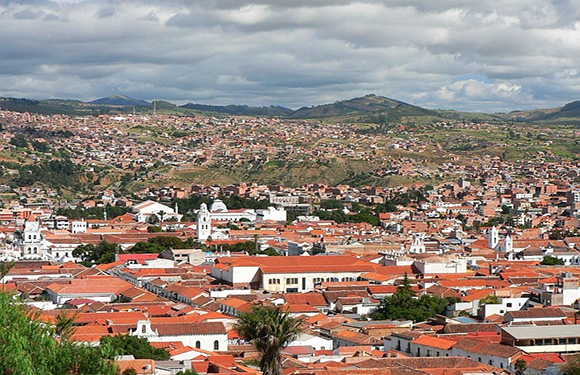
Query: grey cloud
x=295, y=53
x=105, y=12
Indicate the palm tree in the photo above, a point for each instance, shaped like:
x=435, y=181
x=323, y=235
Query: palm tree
x=5, y=267
x=271, y=330
x=65, y=325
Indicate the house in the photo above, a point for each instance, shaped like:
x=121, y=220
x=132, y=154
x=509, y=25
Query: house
x=154, y=211
x=211, y=336
x=96, y=288
x=289, y=274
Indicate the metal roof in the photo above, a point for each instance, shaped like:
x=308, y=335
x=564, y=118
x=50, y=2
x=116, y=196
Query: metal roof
x=543, y=332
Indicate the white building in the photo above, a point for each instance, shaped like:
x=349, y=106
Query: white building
x=203, y=223
x=30, y=242
x=210, y=336
x=146, y=210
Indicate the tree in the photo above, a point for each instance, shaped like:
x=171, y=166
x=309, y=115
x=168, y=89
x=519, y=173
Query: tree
x=5, y=267
x=65, y=325
x=40, y=146
x=270, y=330
x=146, y=248
x=404, y=304
x=129, y=371
x=520, y=366
x=490, y=299
x=154, y=229
x=103, y=253
x=28, y=346
x=551, y=261
x=571, y=368
x=19, y=141
x=138, y=347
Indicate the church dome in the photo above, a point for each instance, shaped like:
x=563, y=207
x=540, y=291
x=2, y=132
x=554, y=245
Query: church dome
x=218, y=206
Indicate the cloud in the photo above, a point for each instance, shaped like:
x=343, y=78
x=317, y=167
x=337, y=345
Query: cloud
x=484, y=56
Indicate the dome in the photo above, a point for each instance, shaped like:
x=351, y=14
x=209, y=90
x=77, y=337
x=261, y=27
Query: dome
x=218, y=206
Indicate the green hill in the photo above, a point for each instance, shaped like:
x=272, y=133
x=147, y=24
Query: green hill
x=240, y=110
x=121, y=100
x=366, y=105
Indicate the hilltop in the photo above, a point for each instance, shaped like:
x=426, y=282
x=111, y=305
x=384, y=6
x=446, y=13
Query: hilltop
x=367, y=104
x=121, y=100
x=371, y=109
x=240, y=110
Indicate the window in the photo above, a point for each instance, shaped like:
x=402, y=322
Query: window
x=509, y=304
x=143, y=329
x=198, y=344
x=292, y=280
x=216, y=345
x=318, y=280
x=274, y=281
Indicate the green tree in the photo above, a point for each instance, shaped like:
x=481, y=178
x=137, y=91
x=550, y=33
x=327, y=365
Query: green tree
x=154, y=229
x=19, y=141
x=138, y=347
x=571, y=368
x=40, y=146
x=146, y=247
x=270, y=330
x=64, y=326
x=520, y=366
x=103, y=253
x=28, y=346
x=129, y=371
x=404, y=304
x=490, y=299
x=551, y=261
x=5, y=267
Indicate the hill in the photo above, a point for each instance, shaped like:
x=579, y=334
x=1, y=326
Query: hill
x=122, y=101
x=568, y=111
x=240, y=110
x=369, y=104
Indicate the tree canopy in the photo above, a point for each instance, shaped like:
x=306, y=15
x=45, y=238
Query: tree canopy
x=29, y=347
x=103, y=253
x=270, y=330
x=138, y=347
x=404, y=304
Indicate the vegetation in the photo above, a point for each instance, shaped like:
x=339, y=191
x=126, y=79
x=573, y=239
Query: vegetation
x=94, y=212
x=103, y=253
x=56, y=173
x=520, y=366
x=270, y=330
x=490, y=299
x=28, y=347
x=138, y=347
x=571, y=368
x=551, y=261
x=404, y=304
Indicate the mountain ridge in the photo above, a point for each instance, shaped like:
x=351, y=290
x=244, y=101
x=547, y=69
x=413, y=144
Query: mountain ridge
x=369, y=108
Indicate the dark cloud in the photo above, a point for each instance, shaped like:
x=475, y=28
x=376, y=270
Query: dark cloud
x=484, y=55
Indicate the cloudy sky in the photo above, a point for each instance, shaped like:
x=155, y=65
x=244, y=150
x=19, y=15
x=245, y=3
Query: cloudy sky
x=484, y=55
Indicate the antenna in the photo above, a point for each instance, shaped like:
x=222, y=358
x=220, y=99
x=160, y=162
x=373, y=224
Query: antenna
x=155, y=108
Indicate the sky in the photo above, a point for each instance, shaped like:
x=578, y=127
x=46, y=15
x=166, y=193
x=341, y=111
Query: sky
x=484, y=55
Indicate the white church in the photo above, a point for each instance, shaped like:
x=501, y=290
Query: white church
x=145, y=211
x=507, y=247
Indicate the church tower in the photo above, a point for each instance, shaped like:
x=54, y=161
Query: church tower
x=203, y=223
x=493, y=238
x=508, y=244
